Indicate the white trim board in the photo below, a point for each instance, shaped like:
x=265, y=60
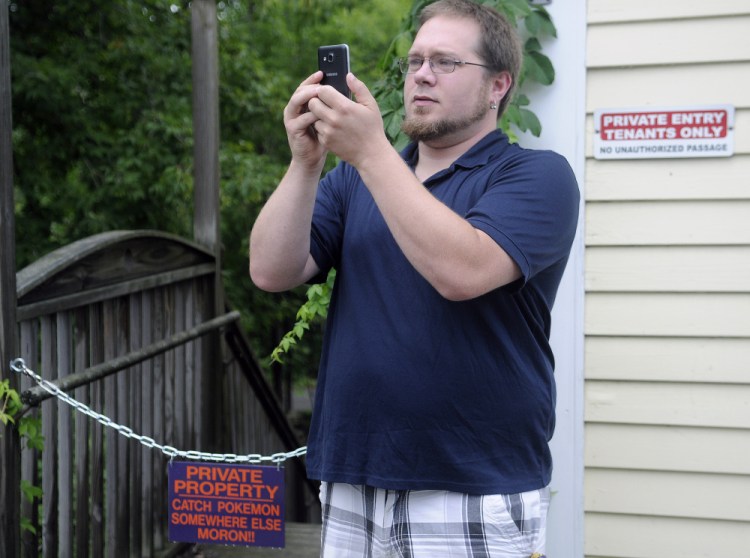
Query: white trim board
x=562, y=112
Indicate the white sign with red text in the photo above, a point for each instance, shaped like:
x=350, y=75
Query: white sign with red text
x=650, y=133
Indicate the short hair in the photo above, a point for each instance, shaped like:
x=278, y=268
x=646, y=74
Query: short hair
x=499, y=45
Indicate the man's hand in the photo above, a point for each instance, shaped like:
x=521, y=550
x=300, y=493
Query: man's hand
x=353, y=131
x=299, y=121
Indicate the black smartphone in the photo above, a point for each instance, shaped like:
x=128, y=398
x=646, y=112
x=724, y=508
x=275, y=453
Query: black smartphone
x=333, y=61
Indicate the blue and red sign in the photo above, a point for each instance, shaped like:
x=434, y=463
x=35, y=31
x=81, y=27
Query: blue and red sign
x=213, y=503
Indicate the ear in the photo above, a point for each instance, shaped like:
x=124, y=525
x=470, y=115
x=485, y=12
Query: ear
x=501, y=84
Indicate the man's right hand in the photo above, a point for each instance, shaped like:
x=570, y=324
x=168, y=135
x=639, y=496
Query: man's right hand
x=299, y=122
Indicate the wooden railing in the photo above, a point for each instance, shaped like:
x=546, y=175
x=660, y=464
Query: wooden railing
x=125, y=319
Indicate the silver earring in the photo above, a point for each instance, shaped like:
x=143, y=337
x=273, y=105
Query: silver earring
x=493, y=105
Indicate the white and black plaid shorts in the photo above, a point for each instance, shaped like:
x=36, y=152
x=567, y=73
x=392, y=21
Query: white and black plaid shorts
x=373, y=522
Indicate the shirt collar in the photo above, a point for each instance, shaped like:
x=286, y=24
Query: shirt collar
x=478, y=154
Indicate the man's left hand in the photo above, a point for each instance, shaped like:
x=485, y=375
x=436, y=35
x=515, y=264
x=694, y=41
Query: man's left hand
x=352, y=130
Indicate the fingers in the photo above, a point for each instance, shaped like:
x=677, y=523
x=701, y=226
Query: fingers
x=306, y=90
x=313, y=78
x=360, y=90
x=310, y=90
x=332, y=99
x=299, y=121
x=321, y=115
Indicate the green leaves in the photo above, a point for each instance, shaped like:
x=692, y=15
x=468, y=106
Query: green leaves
x=539, y=23
x=318, y=298
x=513, y=9
x=10, y=403
x=32, y=493
x=536, y=66
x=30, y=429
x=102, y=120
x=522, y=118
x=30, y=432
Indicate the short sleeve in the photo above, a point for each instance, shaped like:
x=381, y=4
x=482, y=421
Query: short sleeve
x=530, y=209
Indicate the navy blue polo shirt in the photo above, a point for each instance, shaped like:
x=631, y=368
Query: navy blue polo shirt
x=418, y=392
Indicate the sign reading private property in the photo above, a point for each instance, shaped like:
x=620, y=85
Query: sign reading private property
x=699, y=131
x=240, y=505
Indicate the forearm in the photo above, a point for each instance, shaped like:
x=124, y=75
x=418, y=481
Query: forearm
x=280, y=238
x=460, y=261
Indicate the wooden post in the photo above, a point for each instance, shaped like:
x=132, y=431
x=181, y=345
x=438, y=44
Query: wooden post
x=206, y=223
x=205, y=56
x=10, y=449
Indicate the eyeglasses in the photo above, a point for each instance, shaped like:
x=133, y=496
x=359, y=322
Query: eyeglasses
x=413, y=64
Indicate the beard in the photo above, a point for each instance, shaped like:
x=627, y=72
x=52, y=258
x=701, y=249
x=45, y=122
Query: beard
x=419, y=129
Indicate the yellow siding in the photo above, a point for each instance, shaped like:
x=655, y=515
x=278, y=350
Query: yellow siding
x=646, y=536
x=666, y=494
x=668, y=359
x=662, y=179
x=668, y=314
x=657, y=223
x=669, y=42
x=668, y=268
x=667, y=311
x=638, y=10
x=642, y=447
x=669, y=404
x=725, y=83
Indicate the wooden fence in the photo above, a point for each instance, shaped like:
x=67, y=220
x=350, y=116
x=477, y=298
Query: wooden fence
x=136, y=309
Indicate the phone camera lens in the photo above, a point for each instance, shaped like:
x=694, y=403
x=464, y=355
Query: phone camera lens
x=330, y=57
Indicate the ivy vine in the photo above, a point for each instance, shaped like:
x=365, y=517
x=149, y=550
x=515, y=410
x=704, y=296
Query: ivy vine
x=30, y=432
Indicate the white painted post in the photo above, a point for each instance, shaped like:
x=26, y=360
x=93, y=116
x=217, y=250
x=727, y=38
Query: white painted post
x=562, y=111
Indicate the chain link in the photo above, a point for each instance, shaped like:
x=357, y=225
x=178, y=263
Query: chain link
x=19, y=366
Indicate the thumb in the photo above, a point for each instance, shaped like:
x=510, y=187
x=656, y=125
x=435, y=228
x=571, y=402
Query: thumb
x=360, y=91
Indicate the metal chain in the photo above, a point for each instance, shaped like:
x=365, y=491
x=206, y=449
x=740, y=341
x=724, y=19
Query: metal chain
x=19, y=366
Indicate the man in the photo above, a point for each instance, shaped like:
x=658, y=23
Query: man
x=435, y=398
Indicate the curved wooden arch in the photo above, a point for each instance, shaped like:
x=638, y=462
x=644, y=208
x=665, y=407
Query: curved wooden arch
x=109, y=262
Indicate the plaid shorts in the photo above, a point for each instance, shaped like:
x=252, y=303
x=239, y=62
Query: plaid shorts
x=373, y=522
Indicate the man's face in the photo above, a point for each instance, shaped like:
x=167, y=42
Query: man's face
x=442, y=107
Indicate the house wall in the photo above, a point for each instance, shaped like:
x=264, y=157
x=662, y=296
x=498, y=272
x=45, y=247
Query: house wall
x=667, y=303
